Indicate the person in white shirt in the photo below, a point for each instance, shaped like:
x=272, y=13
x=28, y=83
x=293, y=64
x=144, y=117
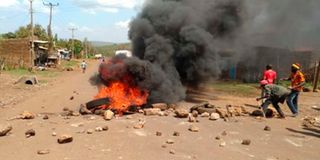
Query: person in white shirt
x=83, y=66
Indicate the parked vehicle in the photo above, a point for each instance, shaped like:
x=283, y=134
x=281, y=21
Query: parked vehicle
x=124, y=52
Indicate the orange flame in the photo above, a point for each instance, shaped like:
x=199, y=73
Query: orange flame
x=122, y=96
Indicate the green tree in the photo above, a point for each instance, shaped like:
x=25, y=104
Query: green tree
x=39, y=31
x=9, y=35
x=55, y=37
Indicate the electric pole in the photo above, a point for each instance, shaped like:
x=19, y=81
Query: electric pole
x=31, y=35
x=316, y=77
x=72, y=32
x=50, y=5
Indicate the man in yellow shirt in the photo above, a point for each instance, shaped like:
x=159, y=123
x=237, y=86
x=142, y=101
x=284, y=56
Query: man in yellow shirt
x=297, y=82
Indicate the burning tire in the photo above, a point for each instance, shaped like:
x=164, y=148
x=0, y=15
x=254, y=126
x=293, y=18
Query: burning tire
x=98, y=102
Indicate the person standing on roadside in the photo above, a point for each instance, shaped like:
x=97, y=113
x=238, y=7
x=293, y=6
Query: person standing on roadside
x=297, y=82
x=270, y=75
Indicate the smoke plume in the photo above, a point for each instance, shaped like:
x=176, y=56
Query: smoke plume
x=177, y=39
x=178, y=43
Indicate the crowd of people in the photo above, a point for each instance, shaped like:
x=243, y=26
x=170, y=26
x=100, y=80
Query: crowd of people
x=274, y=94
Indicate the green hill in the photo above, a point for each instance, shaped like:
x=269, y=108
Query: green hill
x=109, y=50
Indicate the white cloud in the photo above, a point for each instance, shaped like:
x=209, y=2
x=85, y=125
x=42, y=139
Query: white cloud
x=85, y=29
x=79, y=28
x=23, y=6
x=123, y=24
x=8, y=3
x=111, y=6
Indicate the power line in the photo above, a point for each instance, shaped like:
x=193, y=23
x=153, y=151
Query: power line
x=72, y=31
x=50, y=5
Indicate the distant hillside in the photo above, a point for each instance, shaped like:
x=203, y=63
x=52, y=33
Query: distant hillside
x=109, y=50
x=100, y=43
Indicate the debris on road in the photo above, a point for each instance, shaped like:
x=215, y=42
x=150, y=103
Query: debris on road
x=30, y=132
x=267, y=128
x=108, y=115
x=193, y=128
x=98, y=129
x=223, y=144
x=246, y=142
x=151, y=111
x=161, y=106
x=45, y=117
x=140, y=124
x=214, y=116
x=5, y=129
x=65, y=139
x=89, y=131
x=65, y=109
x=205, y=114
x=170, y=141
x=195, y=113
x=176, y=133
x=84, y=110
x=27, y=115
x=203, y=107
x=42, y=152
x=80, y=124
x=181, y=113
x=105, y=128
x=191, y=118
x=310, y=122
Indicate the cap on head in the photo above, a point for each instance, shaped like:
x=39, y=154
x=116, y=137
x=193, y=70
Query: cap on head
x=263, y=82
x=296, y=66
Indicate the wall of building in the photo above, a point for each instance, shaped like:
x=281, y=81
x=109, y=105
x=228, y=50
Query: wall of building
x=251, y=68
x=15, y=52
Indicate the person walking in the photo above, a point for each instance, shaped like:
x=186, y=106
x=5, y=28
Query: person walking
x=83, y=66
x=297, y=82
x=274, y=94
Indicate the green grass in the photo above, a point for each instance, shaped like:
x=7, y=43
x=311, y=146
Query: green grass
x=71, y=63
x=236, y=88
x=41, y=74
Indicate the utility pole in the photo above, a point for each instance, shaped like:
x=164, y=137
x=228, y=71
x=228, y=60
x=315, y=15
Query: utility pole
x=72, y=32
x=31, y=35
x=50, y=5
x=316, y=76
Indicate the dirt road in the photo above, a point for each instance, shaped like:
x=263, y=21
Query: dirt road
x=287, y=140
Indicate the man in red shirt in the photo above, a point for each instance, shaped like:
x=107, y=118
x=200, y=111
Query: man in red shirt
x=270, y=75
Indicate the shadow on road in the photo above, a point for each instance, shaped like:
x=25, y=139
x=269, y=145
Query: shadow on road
x=308, y=131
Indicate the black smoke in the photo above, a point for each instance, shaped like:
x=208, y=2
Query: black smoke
x=176, y=39
x=177, y=43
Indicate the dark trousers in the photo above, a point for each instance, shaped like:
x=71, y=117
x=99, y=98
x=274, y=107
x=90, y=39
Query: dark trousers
x=292, y=101
x=274, y=102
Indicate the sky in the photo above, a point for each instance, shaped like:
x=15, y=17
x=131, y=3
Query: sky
x=97, y=20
